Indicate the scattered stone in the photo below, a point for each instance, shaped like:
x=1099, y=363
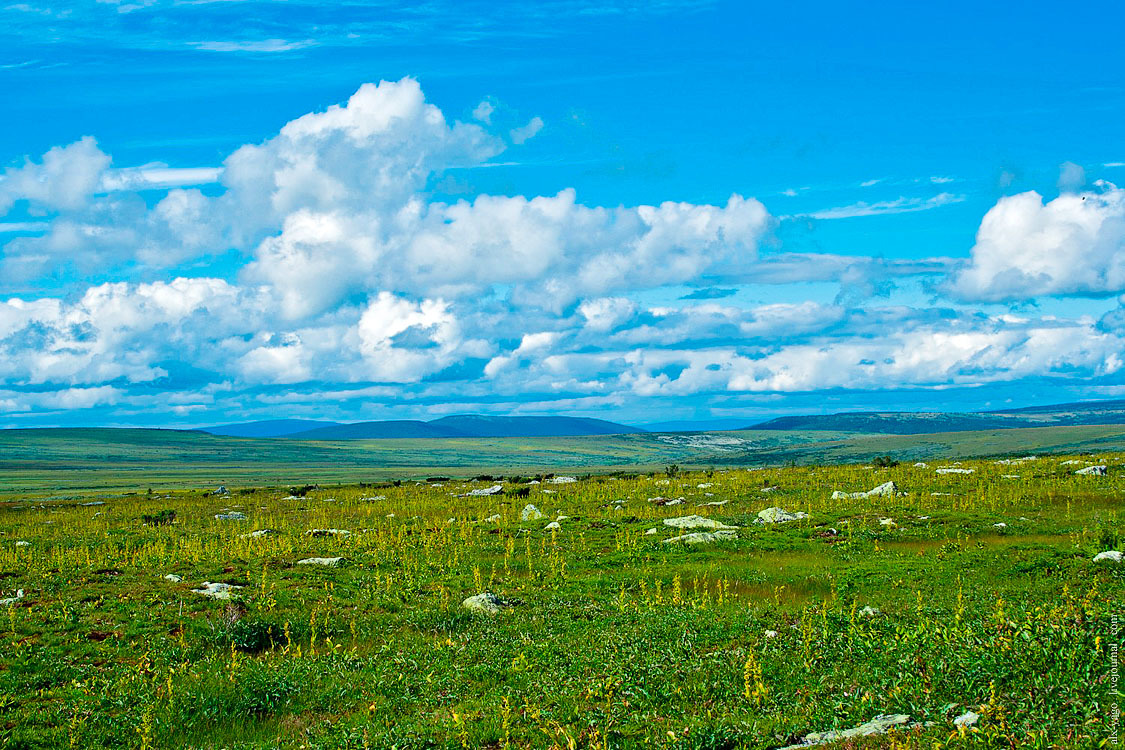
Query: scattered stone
x=257, y=534
x=890, y=522
x=494, y=518
x=234, y=515
x=92, y=504
x=173, y=578
x=1108, y=556
x=562, y=480
x=216, y=590
x=486, y=603
x=703, y=486
x=695, y=522
x=1097, y=471
x=771, y=634
x=328, y=562
x=1000, y=525
x=779, y=515
x=953, y=470
x=22, y=543
x=870, y=611
x=328, y=532
x=703, y=537
x=495, y=489
x=650, y=532
x=714, y=504
x=552, y=526
x=221, y=491
x=1071, y=462
x=967, y=719
x=921, y=465
x=530, y=513
x=879, y=725
x=12, y=599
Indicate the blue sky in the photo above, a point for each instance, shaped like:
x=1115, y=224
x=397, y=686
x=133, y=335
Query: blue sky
x=214, y=211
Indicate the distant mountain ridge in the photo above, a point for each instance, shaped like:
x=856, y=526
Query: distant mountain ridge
x=460, y=426
x=918, y=423
x=267, y=428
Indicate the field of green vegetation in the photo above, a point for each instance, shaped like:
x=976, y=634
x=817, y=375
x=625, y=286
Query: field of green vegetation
x=970, y=595
x=62, y=462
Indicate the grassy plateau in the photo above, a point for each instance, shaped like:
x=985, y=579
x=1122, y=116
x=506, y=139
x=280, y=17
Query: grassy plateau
x=972, y=591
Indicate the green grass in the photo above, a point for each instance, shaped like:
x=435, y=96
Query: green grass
x=614, y=639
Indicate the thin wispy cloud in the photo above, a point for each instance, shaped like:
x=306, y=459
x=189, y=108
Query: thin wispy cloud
x=902, y=205
x=261, y=45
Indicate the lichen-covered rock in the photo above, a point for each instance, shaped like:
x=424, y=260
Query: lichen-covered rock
x=327, y=562
x=695, y=522
x=1097, y=471
x=879, y=725
x=12, y=599
x=703, y=537
x=779, y=515
x=1108, y=556
x=887, y=489
x=216, y=590
x=486, y=603
x=530, y=513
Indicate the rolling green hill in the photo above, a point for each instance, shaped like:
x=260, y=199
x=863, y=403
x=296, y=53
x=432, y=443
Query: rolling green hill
x=58, y=461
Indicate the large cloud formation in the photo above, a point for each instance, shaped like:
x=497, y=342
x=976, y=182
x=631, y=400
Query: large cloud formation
x=1074, y=244
x=316, y=267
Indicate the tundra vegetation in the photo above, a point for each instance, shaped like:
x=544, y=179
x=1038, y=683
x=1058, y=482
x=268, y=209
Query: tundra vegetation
x=335, y=616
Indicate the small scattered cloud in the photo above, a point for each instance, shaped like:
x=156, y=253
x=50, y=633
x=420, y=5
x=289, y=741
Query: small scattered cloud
x=528, y=131
x=483, y=112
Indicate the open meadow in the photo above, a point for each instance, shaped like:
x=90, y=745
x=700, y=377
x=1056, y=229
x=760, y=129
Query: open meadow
x=666, y=609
